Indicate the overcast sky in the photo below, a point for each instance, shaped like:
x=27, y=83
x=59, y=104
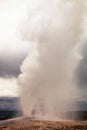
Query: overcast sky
x=13, y=49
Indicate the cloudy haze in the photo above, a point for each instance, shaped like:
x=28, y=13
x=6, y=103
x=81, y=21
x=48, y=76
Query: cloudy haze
x=13, y=49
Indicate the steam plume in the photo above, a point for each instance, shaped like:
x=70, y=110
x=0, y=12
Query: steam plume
x=47, y=84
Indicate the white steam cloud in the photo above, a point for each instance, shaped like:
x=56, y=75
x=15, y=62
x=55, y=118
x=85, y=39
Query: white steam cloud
x=47, y=83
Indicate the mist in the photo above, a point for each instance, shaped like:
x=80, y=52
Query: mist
x=47, y=80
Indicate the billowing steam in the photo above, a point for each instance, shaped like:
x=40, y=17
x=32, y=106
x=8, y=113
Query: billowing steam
x=47, y=83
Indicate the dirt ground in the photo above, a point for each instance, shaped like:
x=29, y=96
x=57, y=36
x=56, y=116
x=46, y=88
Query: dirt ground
x=30, y=124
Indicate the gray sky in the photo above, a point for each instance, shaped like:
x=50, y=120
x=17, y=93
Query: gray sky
x=12, y=49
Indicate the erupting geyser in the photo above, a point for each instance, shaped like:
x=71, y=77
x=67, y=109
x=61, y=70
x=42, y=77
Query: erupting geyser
x=47, y=84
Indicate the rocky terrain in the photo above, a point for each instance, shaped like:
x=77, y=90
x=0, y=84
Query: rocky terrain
x=29, y=124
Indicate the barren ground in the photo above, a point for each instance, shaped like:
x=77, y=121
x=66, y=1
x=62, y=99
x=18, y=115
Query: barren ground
x=29, y=124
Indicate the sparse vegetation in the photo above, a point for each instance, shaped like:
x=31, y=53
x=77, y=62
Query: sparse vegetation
x=27, y=124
